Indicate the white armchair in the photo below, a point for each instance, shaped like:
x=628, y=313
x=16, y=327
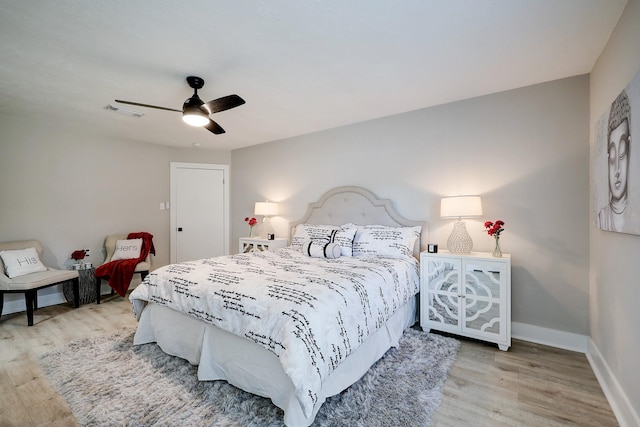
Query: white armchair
x=110, y=247
x=29, y=284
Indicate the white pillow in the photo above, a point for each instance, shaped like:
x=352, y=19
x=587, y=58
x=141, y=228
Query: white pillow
x=19, y=262
x=342, y=235
x=384, y=241
x=127, y=249
x=321, y=249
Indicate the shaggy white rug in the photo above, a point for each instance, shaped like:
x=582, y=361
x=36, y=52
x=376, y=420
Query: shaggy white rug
x=107, y=381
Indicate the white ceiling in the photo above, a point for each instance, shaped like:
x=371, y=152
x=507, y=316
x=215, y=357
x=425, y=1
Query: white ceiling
x=302, y=66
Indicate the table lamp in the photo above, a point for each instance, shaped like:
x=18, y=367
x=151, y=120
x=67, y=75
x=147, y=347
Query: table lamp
x=266, y=209
x=459, y=241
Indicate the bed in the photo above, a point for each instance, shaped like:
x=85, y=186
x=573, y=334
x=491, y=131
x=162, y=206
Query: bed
x=327, y=317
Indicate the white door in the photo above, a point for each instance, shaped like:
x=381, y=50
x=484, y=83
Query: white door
x=199, y=211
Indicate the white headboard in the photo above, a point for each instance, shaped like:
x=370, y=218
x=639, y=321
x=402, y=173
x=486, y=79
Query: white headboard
x=359, y=206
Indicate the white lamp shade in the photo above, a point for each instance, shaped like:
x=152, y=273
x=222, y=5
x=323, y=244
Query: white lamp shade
x=266, y=208
x=460, y=206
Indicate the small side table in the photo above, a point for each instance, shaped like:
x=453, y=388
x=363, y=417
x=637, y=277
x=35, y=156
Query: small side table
x=87, y=286
x=254, y=244
x=468, y=295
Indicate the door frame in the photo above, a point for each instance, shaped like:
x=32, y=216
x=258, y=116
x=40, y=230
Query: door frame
x=173, y=232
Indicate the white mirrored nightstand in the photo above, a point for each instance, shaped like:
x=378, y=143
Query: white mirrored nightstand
x=251, y=244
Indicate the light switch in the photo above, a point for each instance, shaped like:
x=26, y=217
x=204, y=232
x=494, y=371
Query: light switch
x=162, y=206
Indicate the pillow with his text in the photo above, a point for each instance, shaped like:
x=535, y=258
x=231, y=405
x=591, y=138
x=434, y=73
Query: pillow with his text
x=19, y=262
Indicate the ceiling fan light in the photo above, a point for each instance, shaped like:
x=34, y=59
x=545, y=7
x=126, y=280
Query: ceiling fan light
x=195, y=116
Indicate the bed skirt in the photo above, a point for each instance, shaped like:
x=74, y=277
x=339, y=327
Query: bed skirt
x=221, y=355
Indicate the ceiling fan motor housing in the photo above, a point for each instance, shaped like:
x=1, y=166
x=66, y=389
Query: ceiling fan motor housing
x=194, y=112
x=193, y=103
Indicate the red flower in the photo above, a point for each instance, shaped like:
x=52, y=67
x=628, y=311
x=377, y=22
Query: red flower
x=79, y=254
x=251, y=221
x=494, y=228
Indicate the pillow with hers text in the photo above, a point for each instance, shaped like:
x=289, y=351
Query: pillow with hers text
x=127, y=249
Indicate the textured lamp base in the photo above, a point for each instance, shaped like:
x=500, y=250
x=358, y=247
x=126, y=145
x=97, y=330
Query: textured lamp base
x=459, y=241
x=266, y=228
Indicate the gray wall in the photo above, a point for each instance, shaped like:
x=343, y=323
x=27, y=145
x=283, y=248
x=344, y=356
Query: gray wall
x=69, y=189
x=524, y=151
x=614, y=282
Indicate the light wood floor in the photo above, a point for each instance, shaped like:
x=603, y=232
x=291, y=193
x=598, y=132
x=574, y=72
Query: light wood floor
x=530, y=385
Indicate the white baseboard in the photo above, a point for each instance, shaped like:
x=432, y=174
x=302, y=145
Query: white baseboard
x=17, y=305
x=620, y=403
x=550, y=337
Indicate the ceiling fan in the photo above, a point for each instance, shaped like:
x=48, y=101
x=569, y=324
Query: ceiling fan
x=195, y=112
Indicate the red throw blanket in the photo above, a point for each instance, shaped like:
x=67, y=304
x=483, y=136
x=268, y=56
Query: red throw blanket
x=120, y=272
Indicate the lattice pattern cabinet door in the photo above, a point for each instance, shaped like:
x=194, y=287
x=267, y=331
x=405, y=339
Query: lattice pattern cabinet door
x=469, y=295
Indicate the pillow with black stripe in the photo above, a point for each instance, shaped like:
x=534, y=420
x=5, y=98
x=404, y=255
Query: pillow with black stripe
x=342, y=235
x=319, y=249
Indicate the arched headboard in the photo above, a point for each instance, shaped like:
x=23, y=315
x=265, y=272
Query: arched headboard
x=360, y=206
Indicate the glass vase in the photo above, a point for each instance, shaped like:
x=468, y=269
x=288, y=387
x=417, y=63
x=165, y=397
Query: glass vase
x=250, y=231
x=497, y=252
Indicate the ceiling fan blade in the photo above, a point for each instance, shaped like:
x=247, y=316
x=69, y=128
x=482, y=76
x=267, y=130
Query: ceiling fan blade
x=214, y=127
x=147, y=105
x=224, y=103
